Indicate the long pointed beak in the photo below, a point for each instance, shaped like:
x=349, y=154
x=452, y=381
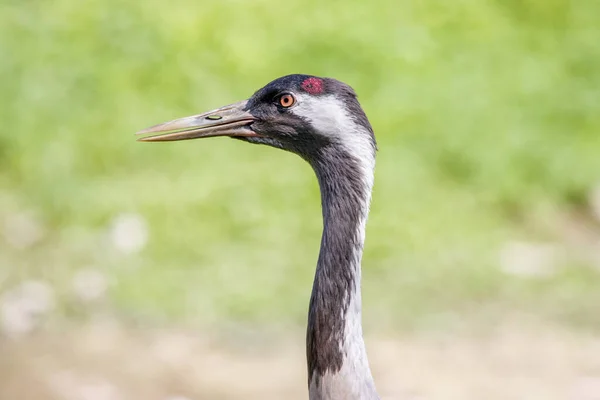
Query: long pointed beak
x=230, y=120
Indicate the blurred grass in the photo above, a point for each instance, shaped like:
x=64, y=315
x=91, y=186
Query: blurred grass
x=486, y=114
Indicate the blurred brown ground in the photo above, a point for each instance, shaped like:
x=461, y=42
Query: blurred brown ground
x=519, y=359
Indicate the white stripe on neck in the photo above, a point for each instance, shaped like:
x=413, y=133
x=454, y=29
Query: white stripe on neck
x=353, y=381
x=330, y=117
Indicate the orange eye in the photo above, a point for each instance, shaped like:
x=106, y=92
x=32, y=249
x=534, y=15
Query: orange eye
x=287, y=100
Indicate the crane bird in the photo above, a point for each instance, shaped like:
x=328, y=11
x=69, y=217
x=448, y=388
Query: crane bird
x=321, y=120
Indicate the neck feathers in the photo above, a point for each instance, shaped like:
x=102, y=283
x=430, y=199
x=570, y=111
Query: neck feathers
x=337, y=359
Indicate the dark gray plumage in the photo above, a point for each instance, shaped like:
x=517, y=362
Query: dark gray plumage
x=321, y=120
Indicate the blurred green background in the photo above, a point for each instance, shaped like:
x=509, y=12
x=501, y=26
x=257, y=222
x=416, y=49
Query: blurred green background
x=486, y=197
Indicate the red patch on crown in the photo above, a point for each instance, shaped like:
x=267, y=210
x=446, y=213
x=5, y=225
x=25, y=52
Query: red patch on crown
x=313, y=85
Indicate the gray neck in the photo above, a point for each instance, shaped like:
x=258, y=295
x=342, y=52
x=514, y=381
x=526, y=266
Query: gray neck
x=337, y=360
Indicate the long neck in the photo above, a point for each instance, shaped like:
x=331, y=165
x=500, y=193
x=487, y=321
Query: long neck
x=337, y=360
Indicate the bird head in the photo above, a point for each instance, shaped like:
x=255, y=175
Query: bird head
x=299, y=113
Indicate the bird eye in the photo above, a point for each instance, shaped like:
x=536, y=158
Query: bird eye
x=287, y=100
